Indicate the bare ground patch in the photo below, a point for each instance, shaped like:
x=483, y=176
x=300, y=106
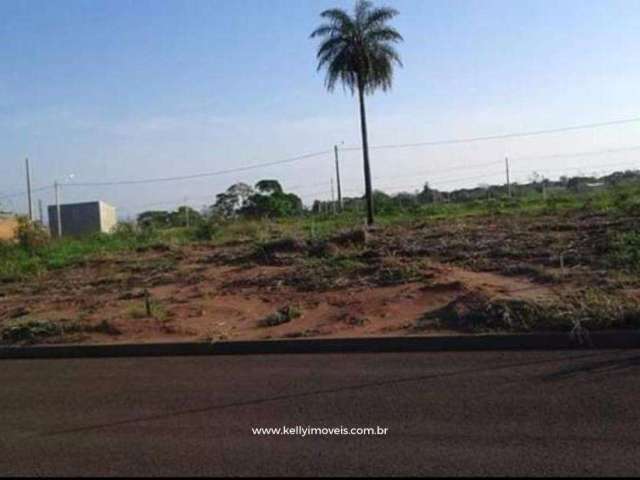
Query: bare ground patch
x=427, y=279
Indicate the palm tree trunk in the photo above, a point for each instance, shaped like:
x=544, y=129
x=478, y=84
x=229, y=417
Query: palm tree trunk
x=365, y=152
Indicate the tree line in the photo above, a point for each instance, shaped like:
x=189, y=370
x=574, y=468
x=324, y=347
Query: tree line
x=268, y=199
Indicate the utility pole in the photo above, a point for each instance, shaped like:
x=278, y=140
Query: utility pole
x=40, y=215
x=186, y=212
x=335, y=150
x=26, y=161
x=333, y=199
x=506, y=163
x=56, y=187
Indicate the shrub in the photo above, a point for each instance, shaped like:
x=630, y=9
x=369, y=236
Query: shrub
x=626, y=203
x=31, y=235
x=269, y=252
x=284, y=315
x=353, y=237
x=124, y=230
x=321, y=248
x=476, y=312
x=556, y=203
x=30, y=331
x=626, y=250
x=204, y=232
x=493, y=207
x=395, y=273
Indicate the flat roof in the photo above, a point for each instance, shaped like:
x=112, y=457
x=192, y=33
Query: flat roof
x=82, y=203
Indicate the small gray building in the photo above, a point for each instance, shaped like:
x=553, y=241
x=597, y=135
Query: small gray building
x=82, y=218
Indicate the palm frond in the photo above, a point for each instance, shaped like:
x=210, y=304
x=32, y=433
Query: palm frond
x=332, y=44
x=324, y=30
x=385, y=34
x=341, y=68
x=337, y=17
x=388, y=54
x=380, y=16
x=357, y=50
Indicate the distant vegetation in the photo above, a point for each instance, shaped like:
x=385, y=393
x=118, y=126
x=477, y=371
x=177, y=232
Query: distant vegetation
x=268, y=200
x=244, y=213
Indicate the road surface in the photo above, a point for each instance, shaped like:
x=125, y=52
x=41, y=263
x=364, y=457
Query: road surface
x=490, y=413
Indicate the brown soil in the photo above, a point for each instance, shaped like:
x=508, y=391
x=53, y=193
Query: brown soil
x=386, y=284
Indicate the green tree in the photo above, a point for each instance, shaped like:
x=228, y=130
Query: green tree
x=358, y=52
x=383, y=202
x=154, y=219
x=231, y=201
x=427, y=195
x=270, y=200
x=269, y=186
x=184, y=214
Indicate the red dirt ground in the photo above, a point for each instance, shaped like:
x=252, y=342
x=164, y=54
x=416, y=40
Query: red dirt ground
x=195, y=300
x=384, y=283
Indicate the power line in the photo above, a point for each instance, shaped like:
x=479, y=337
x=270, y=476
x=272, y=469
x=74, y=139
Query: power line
x=436, y=181
x=180, y=201
x=313, y=155
x=500, y=137
x=452, y=180
x=19, y=194
x=391, y=146
x=198, y=175
x=579, y=154
x=446, y=181
x=326, y=152
x=431, y=172
x=589, y=167
x=539, y=157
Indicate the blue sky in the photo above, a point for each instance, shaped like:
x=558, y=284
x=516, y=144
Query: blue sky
x=145, y=88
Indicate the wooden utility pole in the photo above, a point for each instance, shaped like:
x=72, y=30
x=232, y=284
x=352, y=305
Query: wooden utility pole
x=506, y=163
x=333, y=199
x=335, y=150
x=40, y=215
x=56, y=187
x=26, y=161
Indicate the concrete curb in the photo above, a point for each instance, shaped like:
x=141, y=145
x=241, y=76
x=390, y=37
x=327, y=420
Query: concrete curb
x=543, y=341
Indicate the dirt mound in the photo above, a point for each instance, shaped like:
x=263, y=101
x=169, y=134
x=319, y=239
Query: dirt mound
x=283, y=245
x=347, y=238
x=477, y=312
x=276, y=252
x=322, y=248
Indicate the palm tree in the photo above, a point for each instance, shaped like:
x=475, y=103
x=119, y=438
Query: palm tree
x=358, y=52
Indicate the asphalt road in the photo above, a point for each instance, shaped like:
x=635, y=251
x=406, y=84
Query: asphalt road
x=490, y=413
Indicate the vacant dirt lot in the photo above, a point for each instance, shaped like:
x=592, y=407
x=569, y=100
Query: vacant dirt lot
x=490, y=274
